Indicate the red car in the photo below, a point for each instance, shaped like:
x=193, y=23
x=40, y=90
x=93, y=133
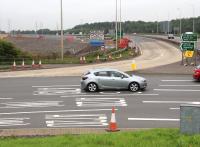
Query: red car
x=196, y=74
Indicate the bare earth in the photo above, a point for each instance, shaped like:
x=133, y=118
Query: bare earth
x=154, y=53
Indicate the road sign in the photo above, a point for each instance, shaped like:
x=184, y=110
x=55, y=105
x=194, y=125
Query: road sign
x=189, y=54
x=189, y=46
x=189, y=37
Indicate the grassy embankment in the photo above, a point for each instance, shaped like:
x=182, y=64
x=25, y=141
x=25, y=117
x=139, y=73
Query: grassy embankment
x=9, y=53
x=149, y=138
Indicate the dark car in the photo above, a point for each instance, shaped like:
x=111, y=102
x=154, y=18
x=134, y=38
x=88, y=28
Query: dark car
x=196, y=74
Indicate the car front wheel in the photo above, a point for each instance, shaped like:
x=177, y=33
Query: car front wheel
x=92, y=87
x=134, y=87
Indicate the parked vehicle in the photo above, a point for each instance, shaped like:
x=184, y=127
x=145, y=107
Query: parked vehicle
x=196, y=74
x=170, y=36
x=100, y=79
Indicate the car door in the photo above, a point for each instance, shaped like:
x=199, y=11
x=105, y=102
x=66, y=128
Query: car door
x=104, y=79
x=119, y=80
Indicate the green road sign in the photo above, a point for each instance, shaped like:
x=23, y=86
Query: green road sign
x=189, y=46
x=189, y=37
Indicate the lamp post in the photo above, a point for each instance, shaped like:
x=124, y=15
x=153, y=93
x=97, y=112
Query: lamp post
x=116, y=28
x=180, y=24
x=120, y=19
x=61, y=18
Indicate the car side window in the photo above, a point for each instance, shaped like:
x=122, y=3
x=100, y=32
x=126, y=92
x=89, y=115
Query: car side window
x=102, y=74
x=117, y=74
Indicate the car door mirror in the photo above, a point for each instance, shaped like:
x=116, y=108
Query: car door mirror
x=122, y=76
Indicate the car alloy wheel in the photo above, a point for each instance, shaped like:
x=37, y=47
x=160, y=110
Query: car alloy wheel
x=92, y=87
x=134, y=87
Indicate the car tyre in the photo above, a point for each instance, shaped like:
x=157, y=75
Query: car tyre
x=92, y=87
x=134, y=87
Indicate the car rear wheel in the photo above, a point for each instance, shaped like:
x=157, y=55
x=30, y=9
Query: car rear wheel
x=134, y=87
x=92, y=87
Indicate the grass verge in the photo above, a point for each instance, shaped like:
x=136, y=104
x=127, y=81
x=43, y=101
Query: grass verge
x=149, y=138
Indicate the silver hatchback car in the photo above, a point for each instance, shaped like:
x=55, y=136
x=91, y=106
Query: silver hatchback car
x=99, y=79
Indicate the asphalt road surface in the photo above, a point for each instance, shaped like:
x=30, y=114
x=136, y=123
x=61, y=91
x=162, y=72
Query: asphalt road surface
x=58, y=103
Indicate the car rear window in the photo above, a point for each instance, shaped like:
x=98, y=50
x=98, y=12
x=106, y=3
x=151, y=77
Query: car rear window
x=101, y=74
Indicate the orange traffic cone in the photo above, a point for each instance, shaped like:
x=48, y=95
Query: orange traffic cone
x=113, y=123
x=14, y=65
x=110, y=57
x=40, y=64
x=84, y=60
x=33, y=64
x=81, y=60
x=23, y=65
x=98, y=59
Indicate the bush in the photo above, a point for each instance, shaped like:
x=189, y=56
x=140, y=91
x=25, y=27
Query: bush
x=9, y=52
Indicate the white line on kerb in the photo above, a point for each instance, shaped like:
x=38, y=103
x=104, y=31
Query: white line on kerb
x=154, y=119
x=38, y=112
x=179, y=85
x=177, y=90
x=176, y=80
x=172, y=102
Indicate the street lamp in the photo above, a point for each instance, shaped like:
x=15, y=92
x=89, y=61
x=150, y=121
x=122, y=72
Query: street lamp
x=62, y=44
x=180, y=25
x=116, y=29
x=120, y=19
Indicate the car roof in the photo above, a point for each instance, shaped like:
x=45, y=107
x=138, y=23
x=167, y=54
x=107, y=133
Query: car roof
x=102, y=69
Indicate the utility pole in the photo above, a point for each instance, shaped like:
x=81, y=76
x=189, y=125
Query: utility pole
x=120, y=19
x=116, y=28
x=62, y=44
x=193, y=18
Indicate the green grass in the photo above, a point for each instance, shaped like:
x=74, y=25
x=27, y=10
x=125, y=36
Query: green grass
x=149, y=138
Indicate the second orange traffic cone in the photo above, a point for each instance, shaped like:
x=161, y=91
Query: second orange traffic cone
x=113, y=123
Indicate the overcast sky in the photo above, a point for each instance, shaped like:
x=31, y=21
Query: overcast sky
x=25, y=14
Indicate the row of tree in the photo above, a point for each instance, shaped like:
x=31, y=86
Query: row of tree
x=128, y=27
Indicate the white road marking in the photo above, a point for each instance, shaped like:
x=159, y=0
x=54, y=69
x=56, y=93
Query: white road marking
x=110, y=95
x=56, y=91
x=174, y=108
x=4, y=122
x=172, y=102
x=179, y=85
x=57, y=111
x=154, y=119
x=177, y=90
x=177, y=80
x=6, y=98
x=76, y=120
x=100, y=102
x=57, y=86
x=35, y=104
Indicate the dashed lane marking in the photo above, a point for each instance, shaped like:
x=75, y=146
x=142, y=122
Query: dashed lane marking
x=5, y=122
x=6, y=98
x=177, y=90
x=35, y=104
x=56, y=86
x=100, y=102
x=174, y=108
x=76, y=120
x=154, y=119
x=177, y=80
x=172, y=102
x=57, y=111
x=179, y=85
